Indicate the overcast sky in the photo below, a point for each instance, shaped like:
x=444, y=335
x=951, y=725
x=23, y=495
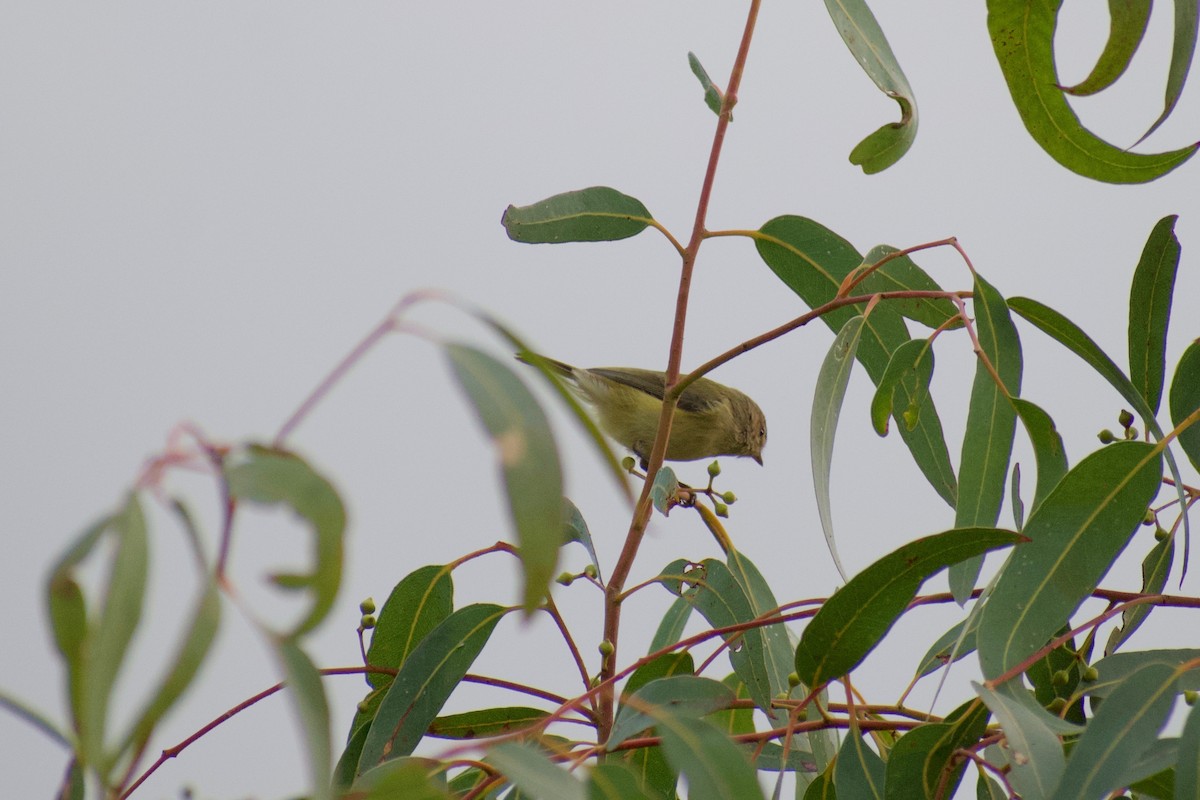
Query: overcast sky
x=204, y=206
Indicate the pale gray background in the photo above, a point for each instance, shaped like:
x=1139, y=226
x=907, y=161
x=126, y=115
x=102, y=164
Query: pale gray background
x=204, y=206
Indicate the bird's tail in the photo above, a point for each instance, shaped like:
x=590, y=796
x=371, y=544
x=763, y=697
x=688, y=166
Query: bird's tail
x=538, y=360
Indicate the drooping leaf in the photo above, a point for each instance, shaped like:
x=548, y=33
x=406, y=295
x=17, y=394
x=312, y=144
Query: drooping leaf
x=1115, y=669
x=813, y=261
x=270, y=476
x=528, y=460
x=715, y=768
x=951, y=646
x=576, y=530
x=1185, y=399
x=1187, y=771
x=1130, y=717
x=829, y=392
x=312, y=709
x=1036, y=760
x=1127, y=26
x=1048, y=449
x=430, y=673
x=1022, y=33
x=670, y=628
x=712, y=95
x=862, y=34
x=1150, y=310
x=779, y=649
x=991, y=426
x=1076, y=534
x=595, y=214
x=859, y=614
x=1183, y=49
x=615, y=781
x=536, y=775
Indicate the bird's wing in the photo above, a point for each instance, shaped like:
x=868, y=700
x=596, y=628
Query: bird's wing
x=654, y=384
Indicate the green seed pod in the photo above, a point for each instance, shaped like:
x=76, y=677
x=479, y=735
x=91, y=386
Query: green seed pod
x=1106, y=436
x=729, y=497
x=721, y=509
x=714, y=469
x=1125, y=418
x=367, y=606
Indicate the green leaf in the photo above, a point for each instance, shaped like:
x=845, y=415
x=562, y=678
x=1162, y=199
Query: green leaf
x=923, y=762
x=1187, y=771
x=943, y=651
x=1076, y=535
x=1048, y=449
x=269, y=476
x=1018, y=505
x=670, y=628
x=859, y=772
x=614, y=781
x=736, y=721
x=991, y=425
x=485, y=722
x=595, y=214
x=829, y=392
x=862, y=34
x=715, y=768
x=429, y=674
x=1182, y=50
x=911, y=365
x=1153, y=774
x=901, y=274
x=1156, y=566
x=721, y=599
x=988, y=789
x=1128, y=19
x=822, y=788
x=1035, y=755
x=682, y=696
x=663, y=490
x=1022, y=33
x=417, y=604
x=1185, y=399
x=1116, y=669
x=528, y=459
x=308, y=698
x=712, y=95
x=404, y=777
x=1150, y=310
x=812, y=261
x=535, y=774
x=576, y=530
x=775, y=637
x=666, y=665
x=859, y=614
x=1130, y=717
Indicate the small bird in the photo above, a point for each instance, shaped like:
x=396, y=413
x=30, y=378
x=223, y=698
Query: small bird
x=710, y=419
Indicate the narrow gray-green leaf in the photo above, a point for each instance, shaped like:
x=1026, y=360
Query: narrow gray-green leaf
x=612, y=780
x=715, y=768
x=1035, y=755
x=1076, y=534
x=417, y=604
x=991, y=426
x=1130, y=717
x=1187, y=771
x=813, y=261
x=270, y=476
x=1022, y=33
x=308, y=698
x=684, y=696
x=595, y=214
x=859, y=614
x=722, y=600
x=1048, y=449
x=1115, y=669
x=536, y=775
x=429, y=674
x=1150, y=310
x=663, y=490
x=1127, y=26
x=712, y=95
x=1185, y=399
x=947, y=649
x=779, y=655
x=988, y=789
x=670, y=627
x=923, y=765
x=1156, y=567
x=862, y=34
x=859, y=772
x=828, y=394
x=485, y=722
x=403, y=778
x=1183, y=49
x=1018, y=503
x=528, y=459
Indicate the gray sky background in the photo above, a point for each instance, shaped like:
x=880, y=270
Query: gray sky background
x=203, y=207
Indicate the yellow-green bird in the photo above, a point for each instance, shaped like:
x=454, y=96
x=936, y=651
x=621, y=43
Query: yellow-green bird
x=710, y=419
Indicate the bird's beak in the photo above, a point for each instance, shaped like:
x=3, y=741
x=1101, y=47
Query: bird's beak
x=758, y=459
